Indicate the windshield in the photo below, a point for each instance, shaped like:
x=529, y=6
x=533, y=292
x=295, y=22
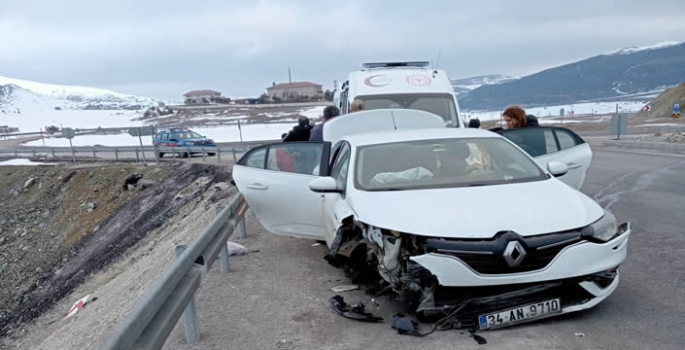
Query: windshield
x=439, y=104
x=442, y=163
x=185, y=135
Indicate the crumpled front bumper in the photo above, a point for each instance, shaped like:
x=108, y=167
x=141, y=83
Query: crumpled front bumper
x=583, y=258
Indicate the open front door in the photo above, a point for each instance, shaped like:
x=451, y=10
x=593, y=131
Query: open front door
x=554, y=144
x=275, y=180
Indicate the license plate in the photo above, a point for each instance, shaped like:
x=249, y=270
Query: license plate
x=519, y=314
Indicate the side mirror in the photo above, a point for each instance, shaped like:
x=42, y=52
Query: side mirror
x=325, y=184
x=557, y=168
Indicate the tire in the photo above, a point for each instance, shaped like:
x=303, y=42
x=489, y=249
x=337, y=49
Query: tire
x=160, y=154
x=185, y=155
x=211, y=154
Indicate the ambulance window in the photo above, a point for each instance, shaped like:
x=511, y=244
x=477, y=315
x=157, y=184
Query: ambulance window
x=438, y=104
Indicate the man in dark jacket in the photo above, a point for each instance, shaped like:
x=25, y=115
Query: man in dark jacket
x=329, y=113
x=531, y=120
x=300, y=132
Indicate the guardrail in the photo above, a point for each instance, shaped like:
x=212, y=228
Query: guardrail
x=153, y=318
x=181, y=151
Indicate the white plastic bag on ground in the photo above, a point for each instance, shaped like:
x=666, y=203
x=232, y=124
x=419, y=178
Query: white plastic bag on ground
x=235, y=248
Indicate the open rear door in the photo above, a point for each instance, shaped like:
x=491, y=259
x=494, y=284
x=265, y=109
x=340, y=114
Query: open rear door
x=555, y=144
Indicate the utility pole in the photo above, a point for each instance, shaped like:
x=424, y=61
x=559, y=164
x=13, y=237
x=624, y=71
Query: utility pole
x=290, y=78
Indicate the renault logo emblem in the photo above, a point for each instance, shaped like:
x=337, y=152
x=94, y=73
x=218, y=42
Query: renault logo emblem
x=514, y=253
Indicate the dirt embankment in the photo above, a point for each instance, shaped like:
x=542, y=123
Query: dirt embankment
x=60, y=225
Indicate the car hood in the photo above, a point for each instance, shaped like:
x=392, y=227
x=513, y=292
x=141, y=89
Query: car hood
x=478, y=212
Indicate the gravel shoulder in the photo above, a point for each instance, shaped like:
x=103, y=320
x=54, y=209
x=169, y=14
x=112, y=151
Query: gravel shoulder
x=114, y=263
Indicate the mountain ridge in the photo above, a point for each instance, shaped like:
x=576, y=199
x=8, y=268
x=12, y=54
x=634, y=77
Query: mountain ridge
x=638, y=74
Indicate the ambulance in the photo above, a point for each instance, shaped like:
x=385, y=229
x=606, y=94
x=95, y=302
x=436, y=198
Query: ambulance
x=401, y=85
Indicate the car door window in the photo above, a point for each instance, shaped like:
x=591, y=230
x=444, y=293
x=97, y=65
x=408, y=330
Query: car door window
x=567, y=139
x=254, y=159
x=340, y=167
x=535, y=141
x=299, y=158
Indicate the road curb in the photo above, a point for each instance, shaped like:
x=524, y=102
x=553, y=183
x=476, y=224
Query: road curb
x=665, y=147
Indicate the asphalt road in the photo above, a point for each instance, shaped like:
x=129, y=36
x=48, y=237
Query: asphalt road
x=282, y=291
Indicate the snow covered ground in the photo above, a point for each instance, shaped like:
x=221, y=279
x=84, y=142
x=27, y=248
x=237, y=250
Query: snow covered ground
x=22, y=162
x=251, y=132
x=34, y=120
x=584, y=109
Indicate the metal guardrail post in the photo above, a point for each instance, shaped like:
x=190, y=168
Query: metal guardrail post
x=53, y=153
x=156, y=151
x=137, y=157
x=95, y=157
x=218, y=154
x=241, y=227
x=203, y=154
x=116, y=154
x=234, y=157
x=15, y=153
x=188, y=154
x=190, y=313
x=34, y=153
x=223, y=254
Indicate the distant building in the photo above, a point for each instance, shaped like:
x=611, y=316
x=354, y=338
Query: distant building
x=295, y=91
x=200, y=96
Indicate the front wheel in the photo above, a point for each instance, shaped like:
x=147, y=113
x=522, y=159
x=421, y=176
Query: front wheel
x=211, y=154
x=160, y=154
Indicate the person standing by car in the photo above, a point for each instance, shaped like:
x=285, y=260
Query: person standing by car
x=514, y=117
x=329, y=113
x=300, y=132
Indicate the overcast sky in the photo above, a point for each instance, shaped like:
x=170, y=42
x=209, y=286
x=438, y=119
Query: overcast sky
x=163, y=48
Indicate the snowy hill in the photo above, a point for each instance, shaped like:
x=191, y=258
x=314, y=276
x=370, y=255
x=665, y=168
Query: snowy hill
x=630, y=74
x=633, y=49
x=24, y=94
x=467, y=84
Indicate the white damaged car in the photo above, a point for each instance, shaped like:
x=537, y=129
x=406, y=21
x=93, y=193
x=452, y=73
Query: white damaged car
x=458, y=222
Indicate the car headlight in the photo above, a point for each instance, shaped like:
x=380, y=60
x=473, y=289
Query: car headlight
x=604, y=229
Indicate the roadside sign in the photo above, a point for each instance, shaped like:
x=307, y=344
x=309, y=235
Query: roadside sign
x=647, y=108
x=68, y=133
x=676, y=108
x=141, y=131
x=619, y=124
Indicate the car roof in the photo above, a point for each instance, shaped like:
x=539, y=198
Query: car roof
x=392, y=136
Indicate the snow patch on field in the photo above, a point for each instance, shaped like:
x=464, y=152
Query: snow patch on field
x=579, y=109
x=22, y=162
x=250, y=132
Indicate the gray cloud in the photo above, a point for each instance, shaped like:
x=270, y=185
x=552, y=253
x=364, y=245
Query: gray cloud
x=163, y=48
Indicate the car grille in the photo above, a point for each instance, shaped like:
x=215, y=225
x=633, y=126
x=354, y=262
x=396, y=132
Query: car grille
x=496, y=298
x=488, y=256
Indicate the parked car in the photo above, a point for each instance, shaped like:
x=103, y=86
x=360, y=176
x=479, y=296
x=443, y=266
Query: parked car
x=457, y=221
x=184, y=138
